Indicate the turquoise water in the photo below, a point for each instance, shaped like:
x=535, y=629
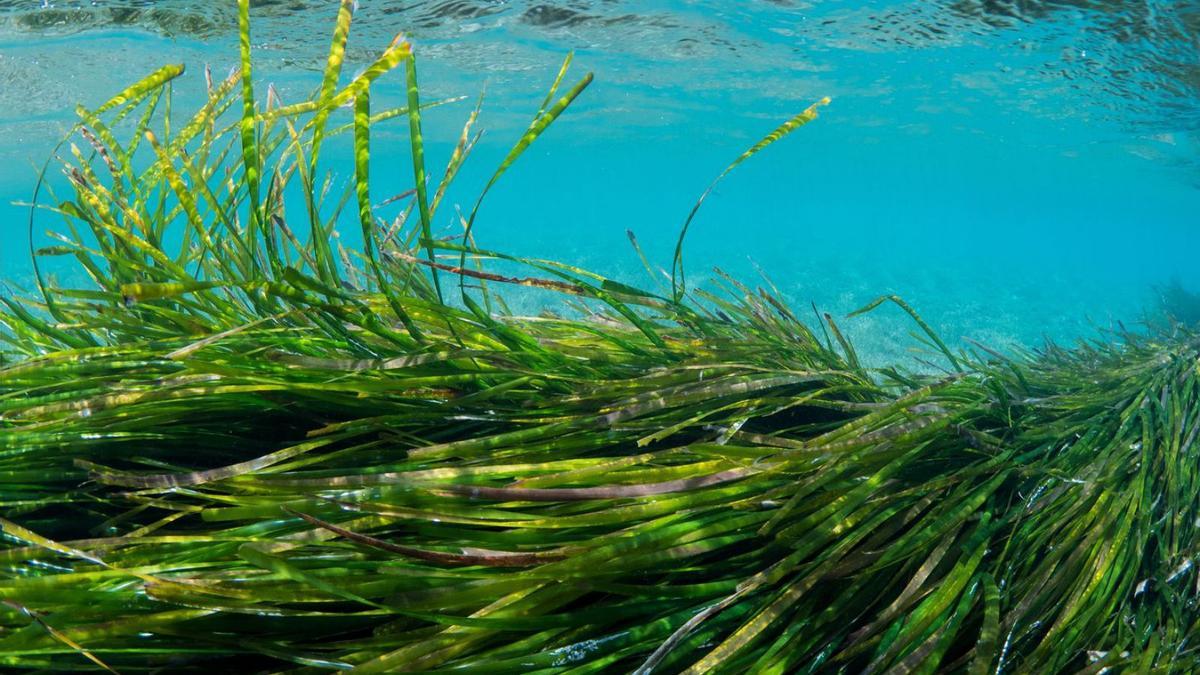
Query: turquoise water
x=1015, y=170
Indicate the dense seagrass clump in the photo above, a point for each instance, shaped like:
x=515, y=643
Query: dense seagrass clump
x=243, y=446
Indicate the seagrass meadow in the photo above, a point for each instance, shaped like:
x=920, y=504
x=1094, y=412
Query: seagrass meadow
x=240, y=445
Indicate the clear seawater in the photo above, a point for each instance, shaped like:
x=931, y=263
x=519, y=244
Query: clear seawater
x=1016, y=169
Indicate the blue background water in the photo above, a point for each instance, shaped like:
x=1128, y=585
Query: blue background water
x=1013, y=174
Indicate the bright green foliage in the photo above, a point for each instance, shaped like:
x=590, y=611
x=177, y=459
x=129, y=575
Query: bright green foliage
x=678, y=280
x=234, y=450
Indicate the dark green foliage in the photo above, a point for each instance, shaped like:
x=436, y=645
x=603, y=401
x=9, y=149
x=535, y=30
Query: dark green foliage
x=250, y=452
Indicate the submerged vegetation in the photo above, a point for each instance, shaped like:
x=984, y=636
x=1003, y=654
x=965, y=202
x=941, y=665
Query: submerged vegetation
x=1178, y=303
x=243, y=444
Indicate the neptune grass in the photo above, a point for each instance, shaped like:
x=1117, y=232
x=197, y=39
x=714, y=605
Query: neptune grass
x=247, y=450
